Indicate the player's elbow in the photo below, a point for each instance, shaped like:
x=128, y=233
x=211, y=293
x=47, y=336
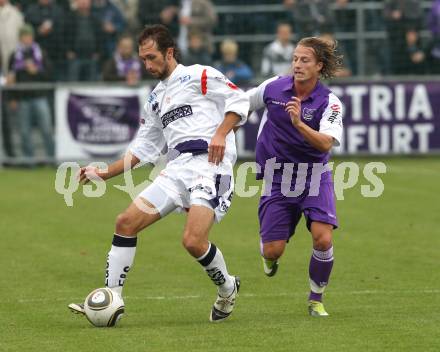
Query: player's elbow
x=325, y=144
x=325, y=148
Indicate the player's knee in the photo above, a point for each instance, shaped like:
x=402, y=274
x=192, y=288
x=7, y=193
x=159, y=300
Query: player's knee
x=273, y=252
x=192, y=243
x=322, y=235
x=125, y=225
x=322, y=240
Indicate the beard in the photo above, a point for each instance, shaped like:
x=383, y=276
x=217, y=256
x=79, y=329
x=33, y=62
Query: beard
x=161, y=75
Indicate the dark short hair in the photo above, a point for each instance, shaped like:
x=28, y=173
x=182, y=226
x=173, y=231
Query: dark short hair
x=325, y=52
x=162, y=37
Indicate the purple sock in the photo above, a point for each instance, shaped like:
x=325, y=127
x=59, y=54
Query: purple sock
x=320, y=267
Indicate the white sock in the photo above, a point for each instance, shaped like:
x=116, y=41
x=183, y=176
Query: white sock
x=119, y=261
x=215, y=266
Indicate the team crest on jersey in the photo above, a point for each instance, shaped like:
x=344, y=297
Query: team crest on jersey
x=155, y=107
x=308, y=113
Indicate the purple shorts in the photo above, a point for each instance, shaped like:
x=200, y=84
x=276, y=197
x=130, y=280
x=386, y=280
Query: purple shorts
x=279, y=214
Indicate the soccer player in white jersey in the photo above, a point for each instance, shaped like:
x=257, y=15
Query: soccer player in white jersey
x=192, y=112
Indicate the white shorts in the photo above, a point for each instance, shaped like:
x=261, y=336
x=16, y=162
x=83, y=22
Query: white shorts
x=191, y=180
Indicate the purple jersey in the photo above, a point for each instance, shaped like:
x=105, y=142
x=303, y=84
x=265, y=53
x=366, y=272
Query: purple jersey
x=279, y=212
x=279, y=139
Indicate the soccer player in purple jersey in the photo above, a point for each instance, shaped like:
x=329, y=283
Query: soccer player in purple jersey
x=303, y=120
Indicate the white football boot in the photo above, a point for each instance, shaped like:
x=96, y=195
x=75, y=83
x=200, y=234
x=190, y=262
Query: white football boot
x=223, y=306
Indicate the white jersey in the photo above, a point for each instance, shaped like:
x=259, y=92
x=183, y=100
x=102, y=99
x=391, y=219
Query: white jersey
x=186, y=110
x=277, y=59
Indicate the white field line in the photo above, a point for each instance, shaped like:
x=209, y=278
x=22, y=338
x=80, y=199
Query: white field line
x=249, y=295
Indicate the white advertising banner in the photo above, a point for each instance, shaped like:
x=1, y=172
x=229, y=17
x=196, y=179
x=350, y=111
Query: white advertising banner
x=95, y=123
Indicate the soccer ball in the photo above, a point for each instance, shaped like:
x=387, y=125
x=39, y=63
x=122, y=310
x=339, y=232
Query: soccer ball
x=103, y=307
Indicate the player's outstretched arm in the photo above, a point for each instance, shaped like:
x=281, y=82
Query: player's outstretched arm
x=127, y=162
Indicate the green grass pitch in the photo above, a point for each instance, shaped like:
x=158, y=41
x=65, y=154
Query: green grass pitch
x=384, y=294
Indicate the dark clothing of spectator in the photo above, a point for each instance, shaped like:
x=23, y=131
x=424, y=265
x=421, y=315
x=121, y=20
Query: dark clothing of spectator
x=312, y=17
x=84, y=46
x=238, y=72
x=6, y=126
x=434, y=27
x=399, y=16
x=411, y=65
x=411, y=12
x=202, y=19
x=18, y=62
x=84, y=36
x=22, y=5
x=30, y=64
x=6, y=129
x=152, y=12
x=48, y=23
x=414, y=61
x=197, y=56
x=129, y=9
x=112, y=24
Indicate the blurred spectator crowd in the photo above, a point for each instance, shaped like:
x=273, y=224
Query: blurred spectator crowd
x=93, y=40
x=89, y=40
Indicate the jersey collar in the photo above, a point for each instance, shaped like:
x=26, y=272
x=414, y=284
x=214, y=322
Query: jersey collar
x=317, y=90
x=176, y=71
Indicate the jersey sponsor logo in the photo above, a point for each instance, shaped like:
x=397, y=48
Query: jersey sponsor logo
x=308, y=114
x=276, y=102
x=152, y=97
x=184, y=79
x=334, y=116
x=177, y=113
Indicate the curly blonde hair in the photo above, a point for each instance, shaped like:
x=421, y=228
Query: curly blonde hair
x=325, y=52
